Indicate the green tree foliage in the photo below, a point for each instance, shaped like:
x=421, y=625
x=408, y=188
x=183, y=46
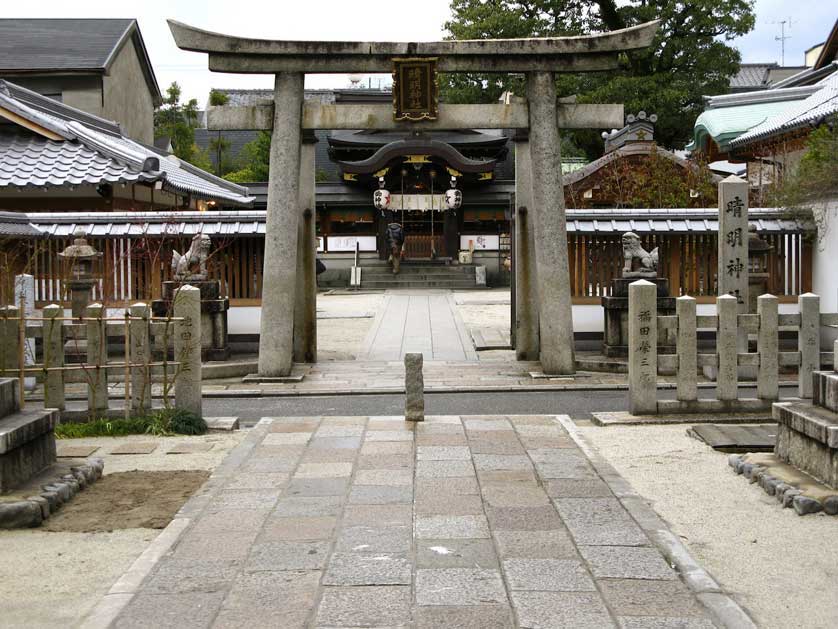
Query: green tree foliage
x=218, y=98
x=177, y=121
x=689, y=57
x=255, y=156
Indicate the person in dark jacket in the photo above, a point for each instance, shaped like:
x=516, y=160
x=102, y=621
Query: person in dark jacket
x=395, y=243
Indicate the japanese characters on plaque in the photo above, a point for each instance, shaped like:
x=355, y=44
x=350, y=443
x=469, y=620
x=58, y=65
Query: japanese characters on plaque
x=733, y=240
x=415, y=95
x=645, y=343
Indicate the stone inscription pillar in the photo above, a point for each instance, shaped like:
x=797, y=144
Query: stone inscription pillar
x=808, y=342
x=555, y=314
x=187, y=305
x=526, y=293
x=54, y=356
x=643, y=348
x=279, y=277
x=97, y=358
x=305, y=304
x=733, y=247
x=25, y=298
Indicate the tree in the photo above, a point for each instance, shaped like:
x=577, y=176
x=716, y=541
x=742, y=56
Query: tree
x=689, y=57
x=255, y=156
x=178, y=121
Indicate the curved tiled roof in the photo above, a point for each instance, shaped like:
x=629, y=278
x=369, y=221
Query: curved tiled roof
x=809, y=112
x=71, y=150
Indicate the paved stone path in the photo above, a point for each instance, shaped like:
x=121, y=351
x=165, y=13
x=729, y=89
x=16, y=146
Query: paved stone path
x=425, y=322
x=484, y=522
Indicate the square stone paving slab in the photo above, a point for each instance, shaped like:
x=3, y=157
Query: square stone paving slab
x=626, y=562
x=658, y=622
x=378, y=515
x=380, y=495
x=459, y=586
x=640, y=597
x=290, y=529
x=473, y=617
x=323, y=470
x=456, y=553
x=294, y=555
x=135, y=447
x=259, y=591
x=396, y=478
x=452, y=527
x=443, y=453
x=573, y=488
x=286, y=438
x=444, y=503
x=259, y=480
x=388, y=435
x=555, y=575
x=457, y=486
x=192, y=575
x=306, y=506
x=523, y=518
x=314, y=487
x=376, y=606
x=553, y=544
x=74, y=451
x=370, y=539
x=444, y=469
x=368, y=569
x=501, y=462
x=186, y=611
x=576, y=610
x=189, y=447
x=600, y=522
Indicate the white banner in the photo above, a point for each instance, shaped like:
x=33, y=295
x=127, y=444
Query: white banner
x=347, y=243
x=481, y=243
x=421, y=202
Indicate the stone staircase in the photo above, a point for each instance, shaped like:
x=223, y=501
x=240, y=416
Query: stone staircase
x=27, y=440
x=420, y=275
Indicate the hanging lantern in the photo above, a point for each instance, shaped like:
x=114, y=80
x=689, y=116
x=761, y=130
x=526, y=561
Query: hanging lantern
x=381, y=197
x=453, y=197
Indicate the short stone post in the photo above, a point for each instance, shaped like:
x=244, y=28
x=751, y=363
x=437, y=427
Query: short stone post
x=25, y=298
x=187, y=306
x=808, y=342
x=768, y=348
x=727, y=348
x=643, y=348
x=10, y=340
x=687, y=349
x=414, y=388
x=140, y=358
x=97, y=360
x=54, y=357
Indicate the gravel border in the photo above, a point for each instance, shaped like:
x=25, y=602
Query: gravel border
x=724, y=610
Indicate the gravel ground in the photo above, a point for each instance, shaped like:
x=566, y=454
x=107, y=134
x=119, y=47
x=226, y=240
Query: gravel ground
x=781, y=567
x=341, y=339
x=54, y=579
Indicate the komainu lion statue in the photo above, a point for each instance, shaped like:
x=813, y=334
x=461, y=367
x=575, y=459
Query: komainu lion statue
x=647, y=261
x=192, y=265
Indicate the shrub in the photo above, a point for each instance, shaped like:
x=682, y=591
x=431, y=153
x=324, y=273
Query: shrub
x=161, y=423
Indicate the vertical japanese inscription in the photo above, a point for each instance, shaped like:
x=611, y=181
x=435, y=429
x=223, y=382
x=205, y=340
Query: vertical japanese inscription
x=415, y=94
x=733, y=240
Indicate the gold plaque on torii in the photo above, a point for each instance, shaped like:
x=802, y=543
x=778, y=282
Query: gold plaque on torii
x=415, y=91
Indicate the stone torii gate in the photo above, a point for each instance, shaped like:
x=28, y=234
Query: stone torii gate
x=544, y=325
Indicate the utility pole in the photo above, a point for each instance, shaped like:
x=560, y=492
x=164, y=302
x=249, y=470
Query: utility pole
x=782, y=39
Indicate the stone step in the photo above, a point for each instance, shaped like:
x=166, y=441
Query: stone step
x=813, y=421
x=27, y=445
x=393, y=283
x=9, y=402
x=422, y=270
x=418, y=277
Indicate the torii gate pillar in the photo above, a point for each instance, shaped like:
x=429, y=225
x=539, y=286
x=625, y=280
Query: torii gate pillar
x=555, y=311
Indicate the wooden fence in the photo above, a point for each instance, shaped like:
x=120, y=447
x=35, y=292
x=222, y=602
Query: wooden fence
x=133, y=269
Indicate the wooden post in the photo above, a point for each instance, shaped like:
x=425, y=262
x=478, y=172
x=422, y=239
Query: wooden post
x=97, y=354
x=140, y=357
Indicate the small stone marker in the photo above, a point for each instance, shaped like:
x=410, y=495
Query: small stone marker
x=69, y=451
x=189, y=447
x=414, y=388
x=25, y=295
x=187, y=306
x=135, y=447
x=643, y=348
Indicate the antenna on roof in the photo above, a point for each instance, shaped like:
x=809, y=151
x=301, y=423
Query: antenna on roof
x=782, y=37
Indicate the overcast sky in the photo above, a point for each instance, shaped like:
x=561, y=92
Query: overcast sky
x=381, y=20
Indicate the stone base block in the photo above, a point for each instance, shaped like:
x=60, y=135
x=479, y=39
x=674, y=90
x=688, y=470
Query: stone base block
x=27, y=446
x=620, y=285
x=807, y=437
x=825, y=390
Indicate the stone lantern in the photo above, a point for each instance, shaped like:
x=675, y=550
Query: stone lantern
x=81, y=257
x=759, y=252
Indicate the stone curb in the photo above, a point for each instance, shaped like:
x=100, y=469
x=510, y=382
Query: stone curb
x=724, y=610
x=106, y=611
x=258, y=393
x=787, y=494
x=32, y=511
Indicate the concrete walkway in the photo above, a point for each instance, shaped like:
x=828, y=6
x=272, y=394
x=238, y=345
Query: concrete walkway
x=486, y=522
x=418, y=321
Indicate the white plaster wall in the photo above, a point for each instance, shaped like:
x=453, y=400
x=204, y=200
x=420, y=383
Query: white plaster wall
x=825, y=266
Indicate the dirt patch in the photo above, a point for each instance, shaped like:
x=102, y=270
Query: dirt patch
x=127, y=500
